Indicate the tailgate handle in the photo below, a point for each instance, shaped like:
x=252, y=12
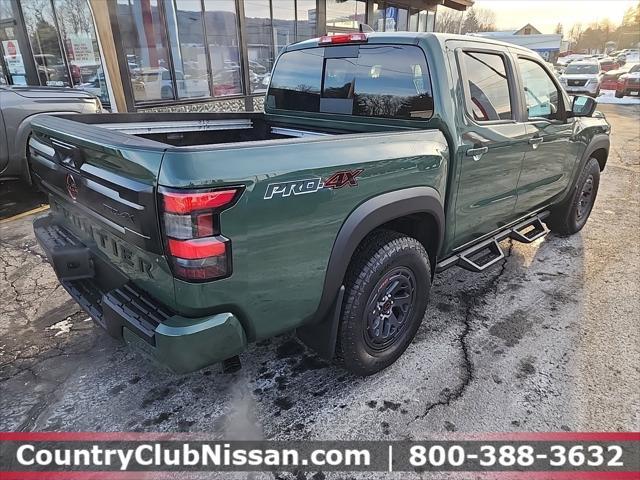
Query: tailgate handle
x=68, y=154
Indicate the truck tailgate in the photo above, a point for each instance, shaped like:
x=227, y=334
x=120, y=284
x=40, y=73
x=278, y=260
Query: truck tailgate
x=102, y=187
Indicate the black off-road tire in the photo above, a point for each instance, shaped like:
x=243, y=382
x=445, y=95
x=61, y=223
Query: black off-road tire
x=570, y=216
x=385, y=259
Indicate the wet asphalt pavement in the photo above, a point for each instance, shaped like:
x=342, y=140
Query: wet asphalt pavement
x=546, y=341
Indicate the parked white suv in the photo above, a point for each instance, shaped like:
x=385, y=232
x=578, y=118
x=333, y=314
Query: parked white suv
x=582, y=77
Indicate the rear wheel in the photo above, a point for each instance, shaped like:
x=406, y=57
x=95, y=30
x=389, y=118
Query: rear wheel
x=387, y=291
x=619, y=94
x=570, y=216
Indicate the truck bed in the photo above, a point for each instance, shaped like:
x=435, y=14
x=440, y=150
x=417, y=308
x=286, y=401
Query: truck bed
x=195, y=129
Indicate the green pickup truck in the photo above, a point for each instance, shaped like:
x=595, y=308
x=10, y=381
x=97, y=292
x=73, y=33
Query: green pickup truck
x=380, y=160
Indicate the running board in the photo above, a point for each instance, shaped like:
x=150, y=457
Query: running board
x=528, y=231
x=483, y=255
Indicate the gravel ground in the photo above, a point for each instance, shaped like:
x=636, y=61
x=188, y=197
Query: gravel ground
x=546, y=341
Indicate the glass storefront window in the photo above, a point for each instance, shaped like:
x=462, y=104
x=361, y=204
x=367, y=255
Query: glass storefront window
x=422, y=21
x=306, y=24
x=426, y=21
x=284, y=19
x=401, y=24
x=413, y=21
x=377, y=22
x=345, y=14
x=186, y=37
x=224, y=50
x=144, y=45
x=81, y=47
x=431, y=21
x=45, y=43
x=259, y=43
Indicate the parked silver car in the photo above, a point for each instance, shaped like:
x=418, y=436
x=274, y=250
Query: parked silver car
x=18, y=106
x=582, y=77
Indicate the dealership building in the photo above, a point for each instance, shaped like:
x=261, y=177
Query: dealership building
x=180, y=55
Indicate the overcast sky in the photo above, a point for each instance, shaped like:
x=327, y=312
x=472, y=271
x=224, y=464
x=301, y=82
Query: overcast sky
x=545, y=14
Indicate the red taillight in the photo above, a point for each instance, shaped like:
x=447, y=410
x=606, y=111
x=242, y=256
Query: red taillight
x=177, y=202
x=194, y=244
x=343, y=38
x=199, y=248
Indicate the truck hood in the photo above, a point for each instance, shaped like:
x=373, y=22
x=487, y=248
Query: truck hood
x=51, y=92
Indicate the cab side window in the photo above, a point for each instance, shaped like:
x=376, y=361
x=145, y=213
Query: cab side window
x=541, y=94
x=488, y=98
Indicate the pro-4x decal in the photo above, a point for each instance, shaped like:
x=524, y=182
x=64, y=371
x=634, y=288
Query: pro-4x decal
x=343, y=178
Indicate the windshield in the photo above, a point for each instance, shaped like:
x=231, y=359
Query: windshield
x=634, y=69
x=586, y=69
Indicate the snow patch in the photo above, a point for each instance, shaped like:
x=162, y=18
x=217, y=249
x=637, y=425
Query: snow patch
x=609, y=96
x=64, y=326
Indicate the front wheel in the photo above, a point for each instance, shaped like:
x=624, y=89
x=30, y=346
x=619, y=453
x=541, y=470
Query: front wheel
x=570, y=216
x=387, y=290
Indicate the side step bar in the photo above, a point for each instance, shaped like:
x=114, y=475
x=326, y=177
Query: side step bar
x=483, y=255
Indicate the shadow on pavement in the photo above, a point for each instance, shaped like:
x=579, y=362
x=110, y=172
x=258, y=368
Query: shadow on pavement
x=18, y=197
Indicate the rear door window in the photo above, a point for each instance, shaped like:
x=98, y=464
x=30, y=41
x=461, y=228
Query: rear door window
x=487, y=86
x=389, y=81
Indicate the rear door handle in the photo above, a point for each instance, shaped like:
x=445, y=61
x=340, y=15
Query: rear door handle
x=535, y=141
x=476, y=153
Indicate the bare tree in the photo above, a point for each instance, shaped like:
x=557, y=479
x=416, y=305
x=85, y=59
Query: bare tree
x=486, y=19
x=473, y=20
x=449, y=21
x=575, y=33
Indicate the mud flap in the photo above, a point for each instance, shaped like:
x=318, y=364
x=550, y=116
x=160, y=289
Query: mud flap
x=321, y=337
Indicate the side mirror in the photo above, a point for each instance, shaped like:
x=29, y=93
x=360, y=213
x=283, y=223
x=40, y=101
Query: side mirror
x=583, y=106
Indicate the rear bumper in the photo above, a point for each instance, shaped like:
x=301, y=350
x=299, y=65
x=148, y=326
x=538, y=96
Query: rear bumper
x=628, y=88
x=124, y=311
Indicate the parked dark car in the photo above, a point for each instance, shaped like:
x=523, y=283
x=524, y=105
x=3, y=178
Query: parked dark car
x=18, y=106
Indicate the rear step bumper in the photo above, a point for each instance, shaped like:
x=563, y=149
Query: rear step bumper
x=124, y=311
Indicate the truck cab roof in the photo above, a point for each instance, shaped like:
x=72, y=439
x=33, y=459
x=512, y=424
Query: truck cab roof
x=413, y=38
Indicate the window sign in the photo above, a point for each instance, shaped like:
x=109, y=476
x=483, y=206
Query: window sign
x=390, y=19
x=14, y=62
x=81, y=51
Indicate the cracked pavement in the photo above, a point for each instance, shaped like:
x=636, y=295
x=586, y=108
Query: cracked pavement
x=546, y=341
